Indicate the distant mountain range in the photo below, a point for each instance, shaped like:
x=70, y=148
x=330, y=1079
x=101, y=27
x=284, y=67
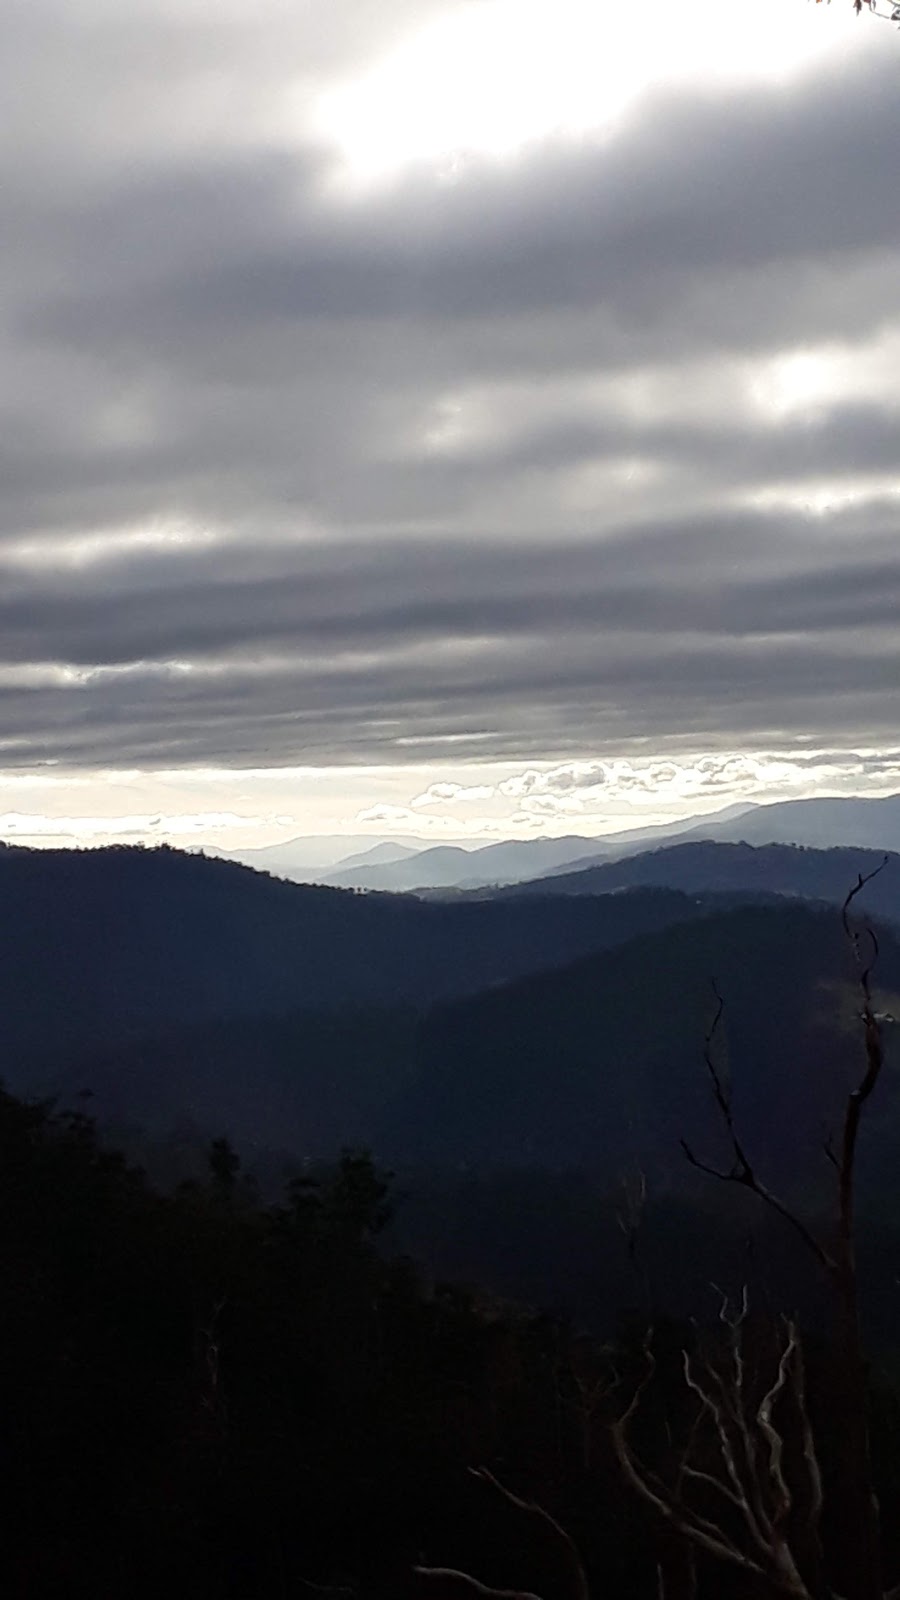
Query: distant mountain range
x=310, y=854
x=818, y=824
x=400, y=865
x=409, y=865
x=868, y=823
x=447, y=866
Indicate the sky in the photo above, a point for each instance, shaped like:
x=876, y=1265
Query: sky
x=467, y=419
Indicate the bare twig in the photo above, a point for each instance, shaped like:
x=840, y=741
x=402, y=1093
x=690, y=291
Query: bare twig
x=742, y=1172
x=452, y=1583
x=874, y=1057
x=774, y=1440
x=571, y=1560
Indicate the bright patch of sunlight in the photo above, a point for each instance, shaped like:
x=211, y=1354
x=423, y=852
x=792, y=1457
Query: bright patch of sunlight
x=108, y=544
x=491, y=77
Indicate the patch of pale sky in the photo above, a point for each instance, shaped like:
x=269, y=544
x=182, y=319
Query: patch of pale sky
x=88, y=548
x=493, y=78
x=820, y=496
x=65, y=675
x=816, y=378
x=483, y=418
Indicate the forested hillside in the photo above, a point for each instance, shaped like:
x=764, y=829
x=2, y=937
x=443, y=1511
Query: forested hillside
x=599, y=1067
x=106, y=947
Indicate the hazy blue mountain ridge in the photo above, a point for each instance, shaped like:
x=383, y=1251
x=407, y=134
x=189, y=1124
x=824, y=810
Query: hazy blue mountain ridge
x=821, y=823
x=706, y=866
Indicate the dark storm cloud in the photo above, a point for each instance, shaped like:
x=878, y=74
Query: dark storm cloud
x=196, y=332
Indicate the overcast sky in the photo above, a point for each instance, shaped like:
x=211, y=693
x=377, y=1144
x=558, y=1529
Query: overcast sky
x=457, y=418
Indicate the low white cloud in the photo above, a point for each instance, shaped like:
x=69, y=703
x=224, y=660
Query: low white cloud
x=558, y=780
x=388, y=816
x=596, y=790
x=442, y=793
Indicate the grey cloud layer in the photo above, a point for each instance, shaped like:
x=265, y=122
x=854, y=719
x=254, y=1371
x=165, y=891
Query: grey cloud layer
x=725, y=576
x=199, y=333
x=547, y=651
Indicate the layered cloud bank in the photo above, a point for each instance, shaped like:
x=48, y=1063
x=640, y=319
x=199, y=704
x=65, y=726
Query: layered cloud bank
x=333, y=446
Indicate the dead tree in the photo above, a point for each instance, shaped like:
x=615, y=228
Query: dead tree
x=741, y=1506
x=746, y=1487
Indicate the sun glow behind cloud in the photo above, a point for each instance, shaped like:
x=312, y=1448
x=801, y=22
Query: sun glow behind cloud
x=813, y=378
x=490, y=78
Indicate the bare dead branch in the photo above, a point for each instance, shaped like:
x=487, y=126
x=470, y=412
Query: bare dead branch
x=571, y=1560
x=749, y=1504
x=675, y=1513
x=454, y=1584
x=696, y=1475
x=448, y=1582
x=741, y=1172
x=631, y=1215
x=874, y=1062
x=810, y=1454
x=862, y=879
x=743, y=1175
x=762, y=1549
x=769, y=1498
x=737, y=1410
x=774, y=1440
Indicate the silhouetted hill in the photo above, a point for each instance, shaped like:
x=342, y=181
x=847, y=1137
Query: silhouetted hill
x=707, y=866
x=595, y=1067
x=104, y=947
x=188, y=991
